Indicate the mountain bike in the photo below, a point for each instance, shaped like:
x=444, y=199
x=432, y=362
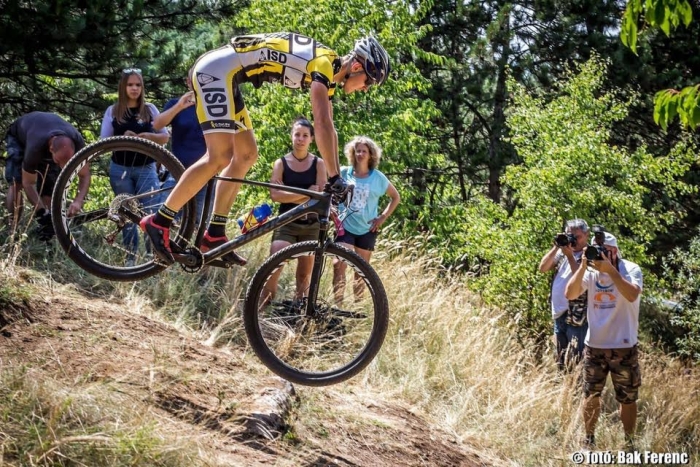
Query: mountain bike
x=319, y=336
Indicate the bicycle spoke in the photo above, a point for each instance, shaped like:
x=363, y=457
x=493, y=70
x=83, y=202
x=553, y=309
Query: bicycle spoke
x=322, y=342
x=105, y=238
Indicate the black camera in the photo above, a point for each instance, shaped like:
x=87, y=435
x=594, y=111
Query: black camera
x=595, y=252
x=564, y=239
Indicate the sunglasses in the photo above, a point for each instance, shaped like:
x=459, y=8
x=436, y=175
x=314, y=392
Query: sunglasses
x=370, y=70
x=131, y=70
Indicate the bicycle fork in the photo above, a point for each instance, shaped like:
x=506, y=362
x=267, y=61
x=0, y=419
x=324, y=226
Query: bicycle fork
x=317, y=270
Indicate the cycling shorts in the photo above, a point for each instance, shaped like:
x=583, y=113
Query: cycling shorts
x=216, y=77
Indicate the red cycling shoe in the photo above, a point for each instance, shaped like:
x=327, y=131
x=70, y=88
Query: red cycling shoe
x=209, y=243
x=160, y=239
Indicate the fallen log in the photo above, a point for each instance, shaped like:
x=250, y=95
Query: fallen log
x=266, y=416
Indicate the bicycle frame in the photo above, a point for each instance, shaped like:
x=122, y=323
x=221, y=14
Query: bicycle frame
x=319, y=204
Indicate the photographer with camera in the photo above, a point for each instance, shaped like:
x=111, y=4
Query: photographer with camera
x=570, y=323
x=614, y=287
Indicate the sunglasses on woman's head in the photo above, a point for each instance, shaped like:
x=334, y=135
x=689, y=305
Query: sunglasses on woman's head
x=131, y=70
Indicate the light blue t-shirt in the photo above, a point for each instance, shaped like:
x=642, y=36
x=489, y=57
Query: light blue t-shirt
x=365, y=200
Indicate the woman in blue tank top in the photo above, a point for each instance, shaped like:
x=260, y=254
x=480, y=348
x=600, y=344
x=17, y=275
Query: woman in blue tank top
x=298, y=168
x=361, y=219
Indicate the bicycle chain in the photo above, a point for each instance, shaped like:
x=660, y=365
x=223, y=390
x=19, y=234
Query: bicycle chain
x=114, y=216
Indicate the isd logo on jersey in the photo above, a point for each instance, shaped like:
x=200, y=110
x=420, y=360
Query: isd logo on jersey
x=269, y=55
x=204, y=79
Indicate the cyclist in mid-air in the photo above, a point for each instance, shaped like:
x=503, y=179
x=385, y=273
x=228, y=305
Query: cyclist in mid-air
x=290, y=59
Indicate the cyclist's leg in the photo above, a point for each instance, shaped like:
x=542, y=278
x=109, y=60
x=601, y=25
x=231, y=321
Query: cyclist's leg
x=245, y=153
x=201, y=198
x=214, y=82
x=218, y=156
x=219, y=107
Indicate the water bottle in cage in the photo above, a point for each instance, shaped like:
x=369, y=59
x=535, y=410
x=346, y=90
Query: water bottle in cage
x=255, y=218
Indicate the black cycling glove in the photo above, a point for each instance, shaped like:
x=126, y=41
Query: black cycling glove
x=338, y=187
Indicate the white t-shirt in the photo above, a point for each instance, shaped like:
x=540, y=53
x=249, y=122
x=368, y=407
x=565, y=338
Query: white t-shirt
x=613, y=321
x=560, y=304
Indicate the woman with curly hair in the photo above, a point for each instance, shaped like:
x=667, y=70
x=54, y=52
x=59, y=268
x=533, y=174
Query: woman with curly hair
x=363, y=221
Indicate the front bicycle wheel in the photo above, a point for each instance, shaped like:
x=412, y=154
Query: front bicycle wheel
x=347, y=325
x=104, y=238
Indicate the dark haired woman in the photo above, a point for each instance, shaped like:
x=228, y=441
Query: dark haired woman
x=301, y=169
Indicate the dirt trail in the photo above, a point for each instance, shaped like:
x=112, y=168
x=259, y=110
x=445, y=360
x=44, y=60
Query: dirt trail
x=206, y=392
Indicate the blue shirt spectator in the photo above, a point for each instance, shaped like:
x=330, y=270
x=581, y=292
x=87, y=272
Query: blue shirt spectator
x=187, y=139
x=188, y=143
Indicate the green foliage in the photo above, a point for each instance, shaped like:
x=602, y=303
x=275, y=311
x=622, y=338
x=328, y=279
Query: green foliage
x=685, y=104
x=682, y=271
x=666, y=15
x=662, y=14
x=568, y=171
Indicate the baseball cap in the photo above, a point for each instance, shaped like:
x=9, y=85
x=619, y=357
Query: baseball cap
x=610, y=240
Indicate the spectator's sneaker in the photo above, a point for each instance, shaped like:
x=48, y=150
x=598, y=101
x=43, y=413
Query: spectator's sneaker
x=629, y=444
x=588, y=443
x=209, y=243
x=160, y=239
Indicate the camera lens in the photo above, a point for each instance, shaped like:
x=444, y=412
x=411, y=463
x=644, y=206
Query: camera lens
x=561, y=239
x=592, y=253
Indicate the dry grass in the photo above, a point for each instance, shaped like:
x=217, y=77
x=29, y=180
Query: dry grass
x=452, y=358
x=447, y=355
x=44, y=422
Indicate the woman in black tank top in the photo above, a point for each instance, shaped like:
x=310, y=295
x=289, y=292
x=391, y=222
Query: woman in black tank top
x=300, y=169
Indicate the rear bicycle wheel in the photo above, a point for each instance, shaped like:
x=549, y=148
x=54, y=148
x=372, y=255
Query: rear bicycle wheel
x=345, y=334
x=104, y=238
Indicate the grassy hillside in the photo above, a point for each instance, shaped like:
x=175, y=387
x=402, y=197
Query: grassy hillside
x=447, y=358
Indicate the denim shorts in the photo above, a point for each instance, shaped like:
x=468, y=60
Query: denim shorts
x=15, y=156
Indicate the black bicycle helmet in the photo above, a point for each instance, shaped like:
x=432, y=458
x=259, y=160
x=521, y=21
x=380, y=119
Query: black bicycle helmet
x=374, y=58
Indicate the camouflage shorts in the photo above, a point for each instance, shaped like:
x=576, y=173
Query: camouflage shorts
x=623, y=366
